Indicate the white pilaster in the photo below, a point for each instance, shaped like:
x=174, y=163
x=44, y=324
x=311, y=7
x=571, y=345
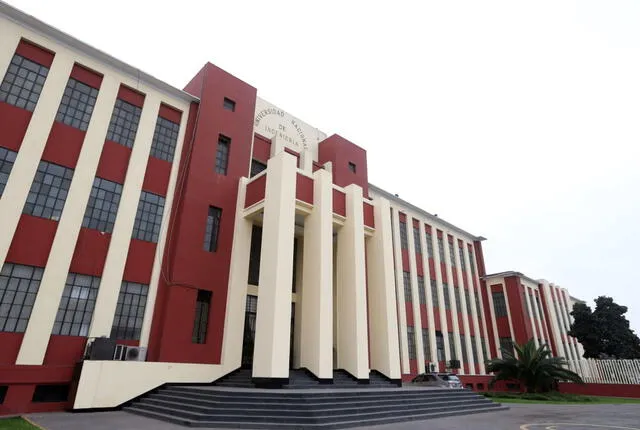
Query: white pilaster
x=353, y=355
x=471, y=362
x=474, y=310
x=10, y=40
x=553, y=319
x=539, y=319
x=273, y=319
x=317, y=279
x=383, y=319
x=297, y=323
x=457, y=347
x=441, y=307
x=431, y=324
x=415, y=298
x=36, y=337
x=492, y=312
x=531, y=316
x=400, y=299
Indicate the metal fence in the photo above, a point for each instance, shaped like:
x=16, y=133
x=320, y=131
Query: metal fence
x=607, y=371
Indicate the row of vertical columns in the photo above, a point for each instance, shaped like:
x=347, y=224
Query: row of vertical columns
x=456, y=347
x=463, y=303
x=531, y=316
x=400, y=299
x=415, y=297
x=431, y=323
x=474, y=310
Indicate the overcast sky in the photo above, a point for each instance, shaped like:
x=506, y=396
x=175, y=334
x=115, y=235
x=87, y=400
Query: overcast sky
x=518, y=121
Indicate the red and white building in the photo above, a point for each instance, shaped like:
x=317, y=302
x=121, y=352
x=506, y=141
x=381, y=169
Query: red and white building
x=214, y=230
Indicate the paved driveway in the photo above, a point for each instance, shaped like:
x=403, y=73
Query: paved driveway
x=519, y=417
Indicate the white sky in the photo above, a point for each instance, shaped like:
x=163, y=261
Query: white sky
x=518, y=121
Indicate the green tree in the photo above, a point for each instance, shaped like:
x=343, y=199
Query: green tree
x=535, y=368
x=605, y=332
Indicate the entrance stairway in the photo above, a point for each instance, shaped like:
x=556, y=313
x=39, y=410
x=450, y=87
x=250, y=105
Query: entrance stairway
x=299, y=379
x=219, y=407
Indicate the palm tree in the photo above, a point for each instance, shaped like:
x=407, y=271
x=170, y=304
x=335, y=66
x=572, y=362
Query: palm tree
x=535, y=368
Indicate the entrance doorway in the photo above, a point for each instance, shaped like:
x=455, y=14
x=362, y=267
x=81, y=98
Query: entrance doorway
x=249, y=335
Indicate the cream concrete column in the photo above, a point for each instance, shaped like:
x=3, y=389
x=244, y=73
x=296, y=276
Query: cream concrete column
x=539, y=319
x=415, y=297
x=474, y=309
x=531, y=316
x=317, y=278
x=506, y=299
x=553, y=320
x=431, y=324
x=10, y=40
x=564, y=307
x=492, y=312
x=457, y=347
x=28, y=158
x=111, y=281
x=481, y=312
x=36, y=337
x=471, y=361
x=559, y=317
x=402, y=310
x=273, y=319
x=237, y=289
x=442, y=311
x=297, y=319
x=353, y=354
x=383, y=319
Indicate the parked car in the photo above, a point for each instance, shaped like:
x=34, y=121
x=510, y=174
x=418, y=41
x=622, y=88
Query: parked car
x=443, y=380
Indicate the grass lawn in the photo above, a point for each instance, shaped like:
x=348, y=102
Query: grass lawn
x=16, y=424
x=557, y=399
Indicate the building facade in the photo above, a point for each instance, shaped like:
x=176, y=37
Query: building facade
x=213, y=230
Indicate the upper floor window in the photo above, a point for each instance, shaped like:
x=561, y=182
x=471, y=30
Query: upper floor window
x=257, y=167
x=411, y=341
x=7, y=158
x=467, y=300
x=452, y=347
x=127, y=321
x=416, y=240
x=212, y=230
x=48, y=191
x=463, y=265
x=165, y=139
x=474, y=350
x=445, y=293
x=440, y=346
x=77, y=104
x=456, y=293
x=352, y=167
x=421, y=291
x=18, y=289
x=452, y=255
x=201, y=320
x=441, y=250
x=406, y=280
x=472, y=263
x=103, y=205
x=425, y=344
x=124, y=123
x=229, y=104
x=222, y=155
x=76, y=305
x=434, y=294
x=148, y=217
x=23, y=82
x=429, y=240
x=404, y=241
x=499, y=304
x=506, y=345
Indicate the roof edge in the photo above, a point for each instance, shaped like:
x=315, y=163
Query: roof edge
x=511, y=273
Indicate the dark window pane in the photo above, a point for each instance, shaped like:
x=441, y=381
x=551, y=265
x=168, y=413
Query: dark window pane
x=7, y=158
x=212, y=229
x=404, y=241
x=222, y=155
x=124, y=123
x=229, y=104
x=125, y=320
x=23, y=82
x=257, y=167
x=165, y=139
x=77, y=104
x=48, y=191
x=148, y=217
x=103, y=205
x=18, y=287
x=76, y=306
x=201, y=321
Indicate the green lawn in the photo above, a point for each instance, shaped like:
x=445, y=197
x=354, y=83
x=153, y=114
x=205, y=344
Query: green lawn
x=16, y=424
x=556, y=399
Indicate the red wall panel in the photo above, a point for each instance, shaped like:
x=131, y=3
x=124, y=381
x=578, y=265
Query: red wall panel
x=63, y=145
x=368, y=215
x=32, y=241
x=87, y=76
x=140, y=261
x=130, y=95
x=255, y=191
x=10, y=347
x=90, y=253
x=339, y=202
x=304, y=188
x=114, y=161
x=35, y=53
x=13, y=123
x=156, y=177
x=341, y=152
x=261, y=148
x=64, y=350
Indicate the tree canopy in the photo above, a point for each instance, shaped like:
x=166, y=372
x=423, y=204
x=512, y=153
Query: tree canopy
x=604, y=332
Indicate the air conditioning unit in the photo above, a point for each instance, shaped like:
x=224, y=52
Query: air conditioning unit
x=130, y=353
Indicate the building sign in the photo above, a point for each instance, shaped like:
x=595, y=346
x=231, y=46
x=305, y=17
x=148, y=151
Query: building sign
x=270, y=121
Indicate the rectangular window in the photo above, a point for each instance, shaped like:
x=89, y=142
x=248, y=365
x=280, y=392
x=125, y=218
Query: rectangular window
x=472, y=263
x=474, y=350
x=467, y=299
x=23, y=82
x=463, y=265
x=213, y=229
x=201, y=321
x=416, y=240
x=499, y=304
x=434, y=293
x=257, y=167
x=452, y=255
x=425, y=344
x=445, y=293
x=50, y=393
x=429, y=240
x=352, y=167
x=254, y=255
x=478, y=309
x=165, y=139
x=127, y=322
x=48, y=191
x=441, y=250
x=222, y=155
x=404, y=241
x=406, y=279
x=483, y=344
x=77, y=104
x=411, y=340
x=452, y=347
x=440, y=346
x=148, y=217
x=124, y=123
x=463, y=346
x=524, y=303
x=18, y=289
x=456, y=293
x=7, y=158
x=506, y=345
x=421, y=291
x=229, y=104
x=76, y=305
x=103, y=205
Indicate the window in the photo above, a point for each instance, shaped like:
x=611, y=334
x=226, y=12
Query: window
x=7, y=158
x=50, y=393
x=254, y=255
x=203, y=303
x=441, y=250
x=506, y=345
x=452, y=256
x=474, y=350
x=411, y=340
x=425, y=344
x=213, y=229
x=3, y=392
x=452, y=347
x=404, y=242
x=456, y=293
x=434, y=293
x=48, y=191
x=478, y=310
x=524, y=303
x=22, y=85
x=77, y=104
x=222, y=155
x=472, y=263
x=165, y=139
x=467, y=300
x=499, y=304
x=445, y=293
x=257, y=167
x=229, y=104
x=148, y=217
x=76, y=305
x=440, y=346
x=429, y=241
x=127, y=321
x=421, y=291
x=18, y=289
x=352, y=167
x=416, y=240
x=483, y=344
x=407, y=286
x=103, y=205
x=463, y=265
x=124, y=123
x=463, y=345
